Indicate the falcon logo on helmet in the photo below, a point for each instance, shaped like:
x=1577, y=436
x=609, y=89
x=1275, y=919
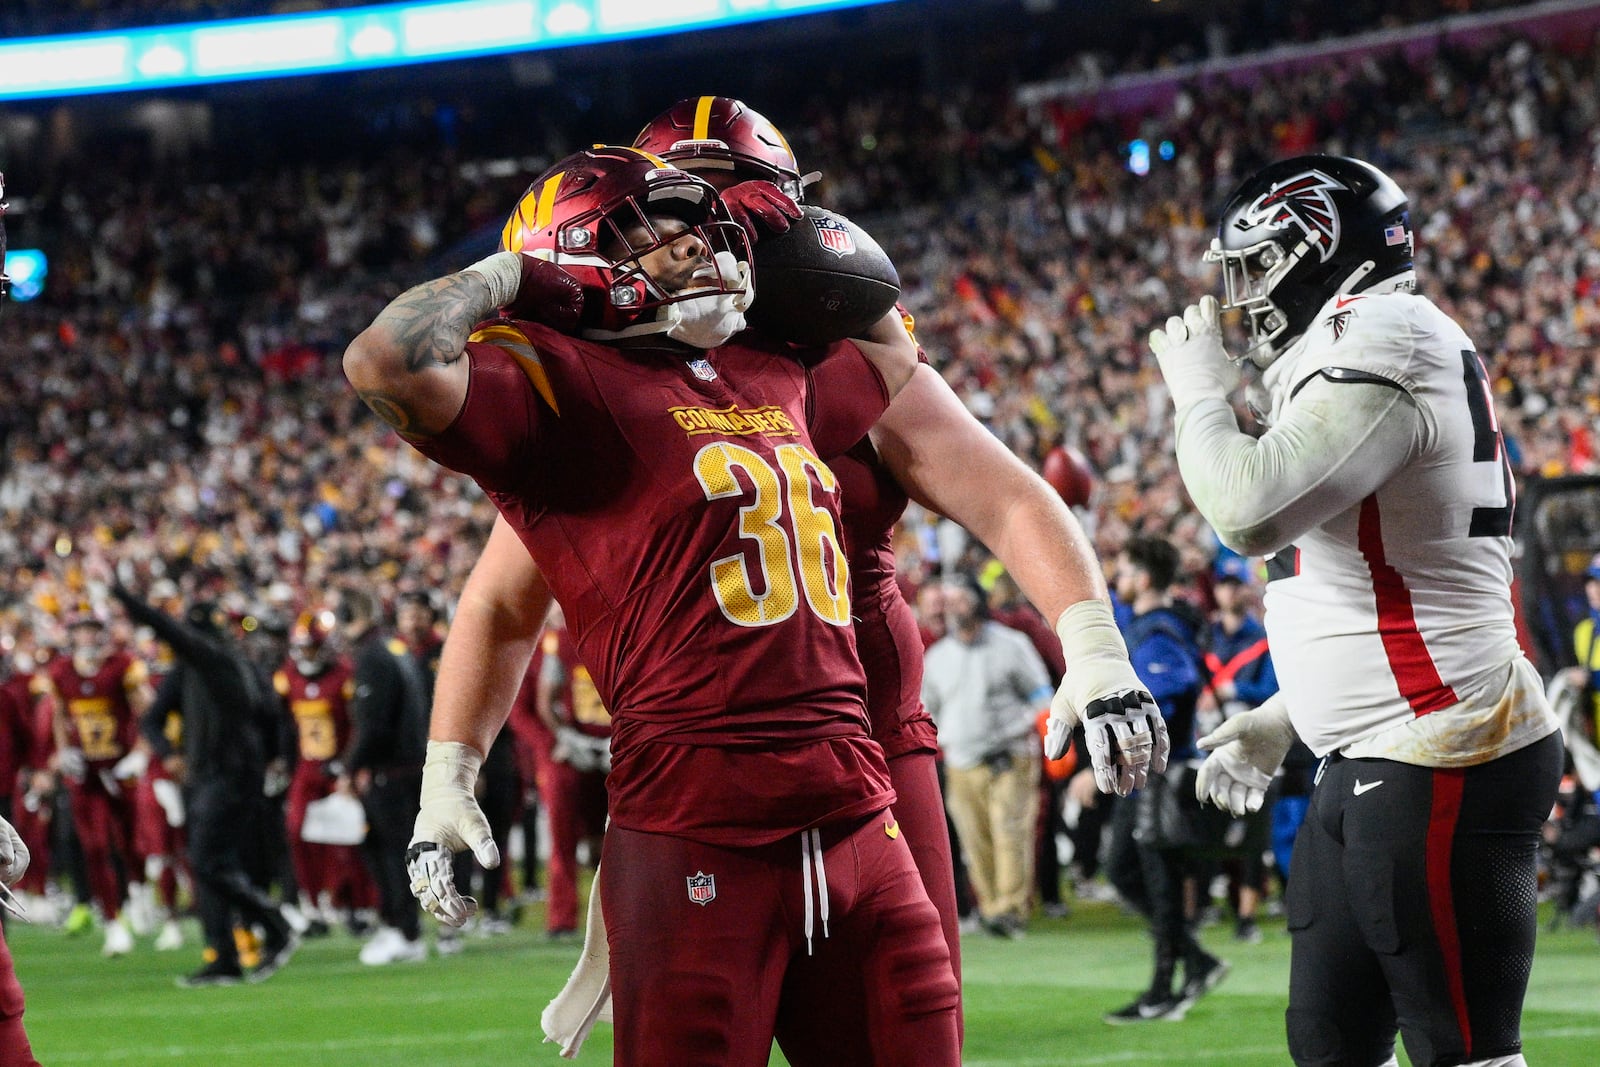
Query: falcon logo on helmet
x=1301, y=231
x=1304, y=201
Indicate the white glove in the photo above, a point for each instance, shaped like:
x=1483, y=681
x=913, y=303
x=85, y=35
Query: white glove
x=70, y=762
x=13, y=854
x=133, y=765
x=1245, y=751
x=1192, y=358
x=449, y=821
x=1126, y=735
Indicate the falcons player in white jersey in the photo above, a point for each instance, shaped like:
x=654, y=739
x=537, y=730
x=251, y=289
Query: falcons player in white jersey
x=1382, y=496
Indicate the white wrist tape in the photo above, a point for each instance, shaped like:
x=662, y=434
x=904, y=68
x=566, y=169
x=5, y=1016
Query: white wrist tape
x=450, y=768
x=1096, y=656
x=503, y=273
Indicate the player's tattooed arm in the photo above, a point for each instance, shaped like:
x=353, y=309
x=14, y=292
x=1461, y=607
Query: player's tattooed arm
x=407, y=365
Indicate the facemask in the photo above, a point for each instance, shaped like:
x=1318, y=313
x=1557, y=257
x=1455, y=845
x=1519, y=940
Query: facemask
x=710, y=320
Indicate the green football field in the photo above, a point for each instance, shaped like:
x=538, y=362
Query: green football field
x=1035, y=1002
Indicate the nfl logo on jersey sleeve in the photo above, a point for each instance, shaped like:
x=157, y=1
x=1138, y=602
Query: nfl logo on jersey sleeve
x=702, y=887
x=834, y=236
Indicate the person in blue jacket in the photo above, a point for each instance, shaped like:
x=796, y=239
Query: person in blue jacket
x=1163, y=644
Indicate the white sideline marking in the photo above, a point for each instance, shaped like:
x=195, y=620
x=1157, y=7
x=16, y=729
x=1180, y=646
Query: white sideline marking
x=1219, y=1054
x=256, y=1048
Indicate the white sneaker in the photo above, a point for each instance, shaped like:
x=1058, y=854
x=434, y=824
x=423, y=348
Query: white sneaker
x=390, y=946
x=411, y=951
x=141, y=910
x=119, y=939
x=448, y=944
x=171, y=936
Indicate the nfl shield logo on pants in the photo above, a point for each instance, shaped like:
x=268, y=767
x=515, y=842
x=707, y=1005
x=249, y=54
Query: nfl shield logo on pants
x=835, y=237
x=702, y=887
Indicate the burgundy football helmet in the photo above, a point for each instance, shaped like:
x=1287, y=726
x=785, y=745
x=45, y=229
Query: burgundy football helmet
x=311, y=642
x=717, y=133
x=578, y=213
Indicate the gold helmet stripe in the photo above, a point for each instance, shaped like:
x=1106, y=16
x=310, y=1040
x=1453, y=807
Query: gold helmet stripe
x=702, y=118
x=651, y=156
x=547, y=200
x=525, y=219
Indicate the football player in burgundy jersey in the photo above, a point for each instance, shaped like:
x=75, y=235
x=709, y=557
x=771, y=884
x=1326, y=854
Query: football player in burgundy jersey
x=1382, y=495
x=573, y=757
x=317, y=685
x=97, y=693
x=672, y=488
x=927, y=445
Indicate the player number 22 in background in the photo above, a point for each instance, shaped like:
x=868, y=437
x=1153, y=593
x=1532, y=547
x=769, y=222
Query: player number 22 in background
x=789, y=531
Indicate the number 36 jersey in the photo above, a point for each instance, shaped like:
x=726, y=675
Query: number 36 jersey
x=1391, y=623
x=679, y=506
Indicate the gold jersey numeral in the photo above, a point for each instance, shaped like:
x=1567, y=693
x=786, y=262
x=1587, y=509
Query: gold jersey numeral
x=813, y=544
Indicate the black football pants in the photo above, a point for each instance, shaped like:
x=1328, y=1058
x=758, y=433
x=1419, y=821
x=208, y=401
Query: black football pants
x=222, y=816
x=1412, y=906
x=391, y=803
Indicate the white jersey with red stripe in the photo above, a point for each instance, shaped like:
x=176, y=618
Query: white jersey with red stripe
x=1390, y=622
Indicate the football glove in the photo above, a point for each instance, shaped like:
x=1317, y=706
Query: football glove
x=449, y=821
x=759, y=207
x=13, y=854
x=70, y=762
x=532, y=289
x=1123, y=727
x=1190, y=353
x=1245, y=752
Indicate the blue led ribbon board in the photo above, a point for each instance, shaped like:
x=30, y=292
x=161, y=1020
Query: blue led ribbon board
x=385, y=36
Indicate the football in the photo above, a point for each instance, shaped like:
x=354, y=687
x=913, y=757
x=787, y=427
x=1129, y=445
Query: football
x=1069, y=475
x=822, y=280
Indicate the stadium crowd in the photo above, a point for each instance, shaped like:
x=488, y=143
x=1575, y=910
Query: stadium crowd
x=175, y=400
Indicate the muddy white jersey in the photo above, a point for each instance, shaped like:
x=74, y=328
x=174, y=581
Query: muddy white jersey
x=1391, y=623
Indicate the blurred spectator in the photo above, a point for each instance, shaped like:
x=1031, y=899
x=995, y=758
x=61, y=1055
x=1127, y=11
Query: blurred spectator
x=983, y=683
x=1586, y=646
x=230, y=729
x=1148, y=862
x=383, y=766
x=1239, y=677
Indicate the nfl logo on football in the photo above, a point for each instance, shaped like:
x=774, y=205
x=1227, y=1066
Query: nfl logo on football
x=835, y=237
x=702, y=887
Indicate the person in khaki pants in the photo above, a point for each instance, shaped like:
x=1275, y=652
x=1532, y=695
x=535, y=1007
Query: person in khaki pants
x=983, y=683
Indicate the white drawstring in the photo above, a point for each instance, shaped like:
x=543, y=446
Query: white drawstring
x=811, y=846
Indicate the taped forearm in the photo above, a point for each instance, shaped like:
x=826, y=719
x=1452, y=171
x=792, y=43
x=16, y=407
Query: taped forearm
x=1337, y=443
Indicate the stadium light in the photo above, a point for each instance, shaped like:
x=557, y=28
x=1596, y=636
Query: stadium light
x=382, y=36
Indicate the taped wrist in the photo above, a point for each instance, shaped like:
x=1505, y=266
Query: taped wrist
x=450, y=769
x=503, y=273
x=1097, y=658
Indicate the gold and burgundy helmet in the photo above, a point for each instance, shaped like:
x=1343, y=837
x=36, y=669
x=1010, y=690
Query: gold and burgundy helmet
x=311, y=641
x=717, y=134
x=577, y=214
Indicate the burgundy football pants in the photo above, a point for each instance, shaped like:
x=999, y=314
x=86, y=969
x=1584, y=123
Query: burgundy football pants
x=715, y=950
x=14, y=1048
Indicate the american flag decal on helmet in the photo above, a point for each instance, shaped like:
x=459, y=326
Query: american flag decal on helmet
x=1302, y=201
x=834, y=236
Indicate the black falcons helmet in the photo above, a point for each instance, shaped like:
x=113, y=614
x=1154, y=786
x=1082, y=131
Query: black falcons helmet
x=1301, y=231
